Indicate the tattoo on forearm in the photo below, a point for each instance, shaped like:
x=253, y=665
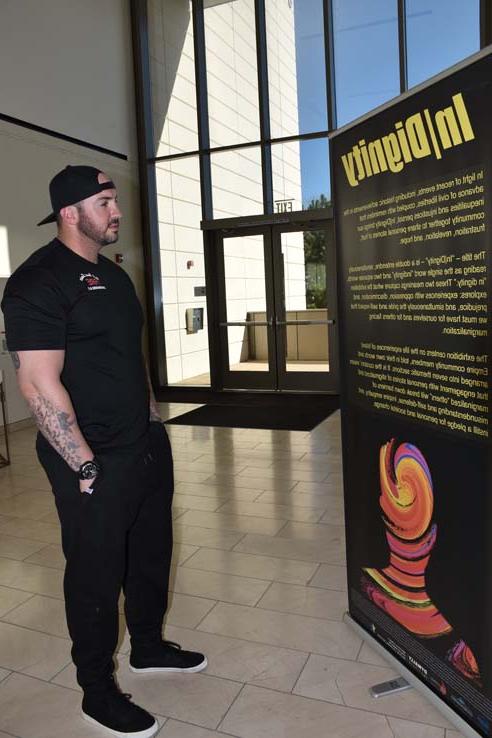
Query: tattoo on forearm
x=57, y=427
x=15, y=358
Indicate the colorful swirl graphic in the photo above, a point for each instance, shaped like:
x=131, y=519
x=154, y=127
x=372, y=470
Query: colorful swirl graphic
x=461, y=656
x=407, y=504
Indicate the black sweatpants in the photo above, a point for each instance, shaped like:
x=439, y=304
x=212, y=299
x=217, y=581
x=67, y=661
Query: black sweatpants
x=120, y=536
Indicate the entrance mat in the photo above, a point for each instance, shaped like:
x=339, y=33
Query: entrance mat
x=294, y=417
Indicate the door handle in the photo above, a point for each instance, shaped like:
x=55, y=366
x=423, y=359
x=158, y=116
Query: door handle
x=247, y=322
x=305, y=322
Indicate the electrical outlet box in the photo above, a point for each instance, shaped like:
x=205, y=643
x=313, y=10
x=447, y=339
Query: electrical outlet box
x=194, y=320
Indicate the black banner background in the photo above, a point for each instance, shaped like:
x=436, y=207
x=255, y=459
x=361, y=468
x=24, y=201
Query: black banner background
x=458, y=575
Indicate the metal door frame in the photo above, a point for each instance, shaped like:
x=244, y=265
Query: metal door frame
x=276, y=379
x=297, y=380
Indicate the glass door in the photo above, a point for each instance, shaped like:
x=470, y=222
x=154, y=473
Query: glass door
x=277, y=308
x=305, y=308
x=246, y=310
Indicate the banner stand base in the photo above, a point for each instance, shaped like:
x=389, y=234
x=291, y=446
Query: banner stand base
x=412, y=680
x=386, y=689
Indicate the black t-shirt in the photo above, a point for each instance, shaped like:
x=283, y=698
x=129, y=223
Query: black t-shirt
x=58, y=300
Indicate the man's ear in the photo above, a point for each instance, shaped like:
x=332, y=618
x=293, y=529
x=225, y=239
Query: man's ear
x=70, y=215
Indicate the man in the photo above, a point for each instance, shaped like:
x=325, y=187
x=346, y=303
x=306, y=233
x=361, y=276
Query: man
x=73, y=325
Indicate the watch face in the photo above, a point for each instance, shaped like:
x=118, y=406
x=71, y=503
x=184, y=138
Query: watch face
x=88, y=470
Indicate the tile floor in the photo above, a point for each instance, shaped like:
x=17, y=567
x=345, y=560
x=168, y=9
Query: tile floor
x=258, y=584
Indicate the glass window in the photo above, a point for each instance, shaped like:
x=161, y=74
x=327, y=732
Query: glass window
x=366, y=55
x=296, y=67
x=245, y=293
x=305, y=307
x=232, y=77
x=236, y=183
x=172, y=72
x=182, y=271
x=301, y=175
x=439, y=34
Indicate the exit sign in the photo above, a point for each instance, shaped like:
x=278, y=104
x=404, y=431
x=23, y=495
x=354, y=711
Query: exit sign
x=284, y=206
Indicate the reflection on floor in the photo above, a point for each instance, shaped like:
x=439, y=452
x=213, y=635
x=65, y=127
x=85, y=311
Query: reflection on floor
x=258, y=584
x=260, y=366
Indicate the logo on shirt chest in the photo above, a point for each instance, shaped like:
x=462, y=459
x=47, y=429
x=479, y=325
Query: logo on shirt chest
x=92, y=282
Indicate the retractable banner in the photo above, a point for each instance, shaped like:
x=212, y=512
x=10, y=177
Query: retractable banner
x=413, y=220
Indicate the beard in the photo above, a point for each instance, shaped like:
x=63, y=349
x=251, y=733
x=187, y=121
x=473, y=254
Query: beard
x=103, y=237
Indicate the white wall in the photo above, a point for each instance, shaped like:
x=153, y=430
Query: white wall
x=67, y=65
x=69, y=69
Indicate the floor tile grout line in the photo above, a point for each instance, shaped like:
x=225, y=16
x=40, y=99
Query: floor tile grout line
x=270, y=585
x=319, y=700
x=277, y=558
x=216, y=602
x=34, y=630
x=6, y=676
x=308, y=656
x=277, y=534
x=210, y=548
x=199, y=597
x=360, y=651
x=340, y=692
x=182, y=561
x=276, y=645
x=297, y=614
x=349, y=706
x=221, y=721
x=240, y=541
x=389, y=726
x=10, y=734
x=117, y=654
x=51, y=680
x=267, y=579
x=184, y=722
x=28, y=591
x=34, y=553
x=2, y=616
x=308, y=583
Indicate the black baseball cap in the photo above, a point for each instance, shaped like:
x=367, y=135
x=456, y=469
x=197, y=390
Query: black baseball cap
x=71, y=185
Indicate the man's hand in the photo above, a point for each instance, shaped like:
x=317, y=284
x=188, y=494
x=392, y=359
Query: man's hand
x=86, y=485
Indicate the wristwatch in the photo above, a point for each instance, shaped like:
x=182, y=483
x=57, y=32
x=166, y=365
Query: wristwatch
x=90, y=469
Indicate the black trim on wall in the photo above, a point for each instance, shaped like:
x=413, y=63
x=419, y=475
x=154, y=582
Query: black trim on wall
x=264, y=106
x=245, y=145
x=202, y=107
x=402, y=44
x=330, y=64
x=61, y=136
x=210, y=257
x=148, y=195
x=485, y=23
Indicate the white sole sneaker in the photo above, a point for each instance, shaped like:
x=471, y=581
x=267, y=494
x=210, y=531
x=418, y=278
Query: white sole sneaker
x=169, y=670
x=148, y=733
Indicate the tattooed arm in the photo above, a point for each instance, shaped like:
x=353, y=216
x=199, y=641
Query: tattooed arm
x=38, y=377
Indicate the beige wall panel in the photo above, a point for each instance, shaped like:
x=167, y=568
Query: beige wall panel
x=70, y=68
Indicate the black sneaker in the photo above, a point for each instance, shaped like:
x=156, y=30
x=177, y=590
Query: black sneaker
x=166, y=656
x=112, y=711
